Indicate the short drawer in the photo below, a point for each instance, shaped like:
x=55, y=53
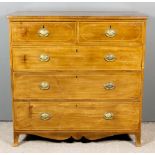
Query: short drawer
x=110, y=31
x=76, y=116
x=41, y=32
x=77, y=86
x=81, y=58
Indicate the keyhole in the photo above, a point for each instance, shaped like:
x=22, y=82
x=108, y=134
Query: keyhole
x=76, y=106
x=110, y=26
x=43, y=26
x=76, y=76
x=76, y=50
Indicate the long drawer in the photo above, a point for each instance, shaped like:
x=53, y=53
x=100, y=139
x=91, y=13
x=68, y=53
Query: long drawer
x=68, y=116
x=110, y=32
x=42, y=32
x=121, y=85
x=81, y=58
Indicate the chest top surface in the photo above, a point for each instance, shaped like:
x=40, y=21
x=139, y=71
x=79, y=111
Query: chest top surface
x=35, y=15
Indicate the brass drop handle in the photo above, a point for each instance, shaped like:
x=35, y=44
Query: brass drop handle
x=108, y=115
x=109, y=86
x=44, y=58
x=44, y=85
x=43, y=32
x=110, y=32
x=110, y=58
x=45, y=116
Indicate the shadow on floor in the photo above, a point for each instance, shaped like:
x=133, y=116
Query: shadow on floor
x=123, y=137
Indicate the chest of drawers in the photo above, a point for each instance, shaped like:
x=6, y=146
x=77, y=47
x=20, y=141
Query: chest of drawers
x=77, y=74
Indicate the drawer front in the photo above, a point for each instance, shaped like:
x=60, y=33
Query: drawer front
x=77, y=86
x=110, y=31
x=82, y=58
x=76, y=116
x=42, y=32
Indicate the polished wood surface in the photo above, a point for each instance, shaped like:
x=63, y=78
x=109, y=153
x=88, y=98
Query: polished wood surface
x=127, y=86
x=76, y=116
x=81, y=58
x=86, y=15
x=58, y=32
x=71, y=70
x=125, y=31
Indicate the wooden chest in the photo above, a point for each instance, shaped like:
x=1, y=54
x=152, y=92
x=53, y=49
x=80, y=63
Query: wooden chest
x=77, y=74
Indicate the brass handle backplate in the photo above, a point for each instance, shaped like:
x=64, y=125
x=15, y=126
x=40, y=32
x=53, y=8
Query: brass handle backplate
x=44, y=58
x=43, y=32
x=109, y=86
x=108, y=115
x=110, y=32
x=45, y=116
x=44, y=85
x=110, y=58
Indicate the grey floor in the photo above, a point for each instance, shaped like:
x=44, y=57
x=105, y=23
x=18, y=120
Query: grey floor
x=123, y=143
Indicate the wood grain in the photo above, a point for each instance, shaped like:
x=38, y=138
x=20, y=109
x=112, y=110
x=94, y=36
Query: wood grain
x=68, y=116
x=61, y=32
x=125, y=31
x=75, y=15
x=76, y=58
x=127, y=86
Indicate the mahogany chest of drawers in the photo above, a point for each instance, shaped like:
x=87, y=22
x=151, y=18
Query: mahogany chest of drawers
x=77, y=74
